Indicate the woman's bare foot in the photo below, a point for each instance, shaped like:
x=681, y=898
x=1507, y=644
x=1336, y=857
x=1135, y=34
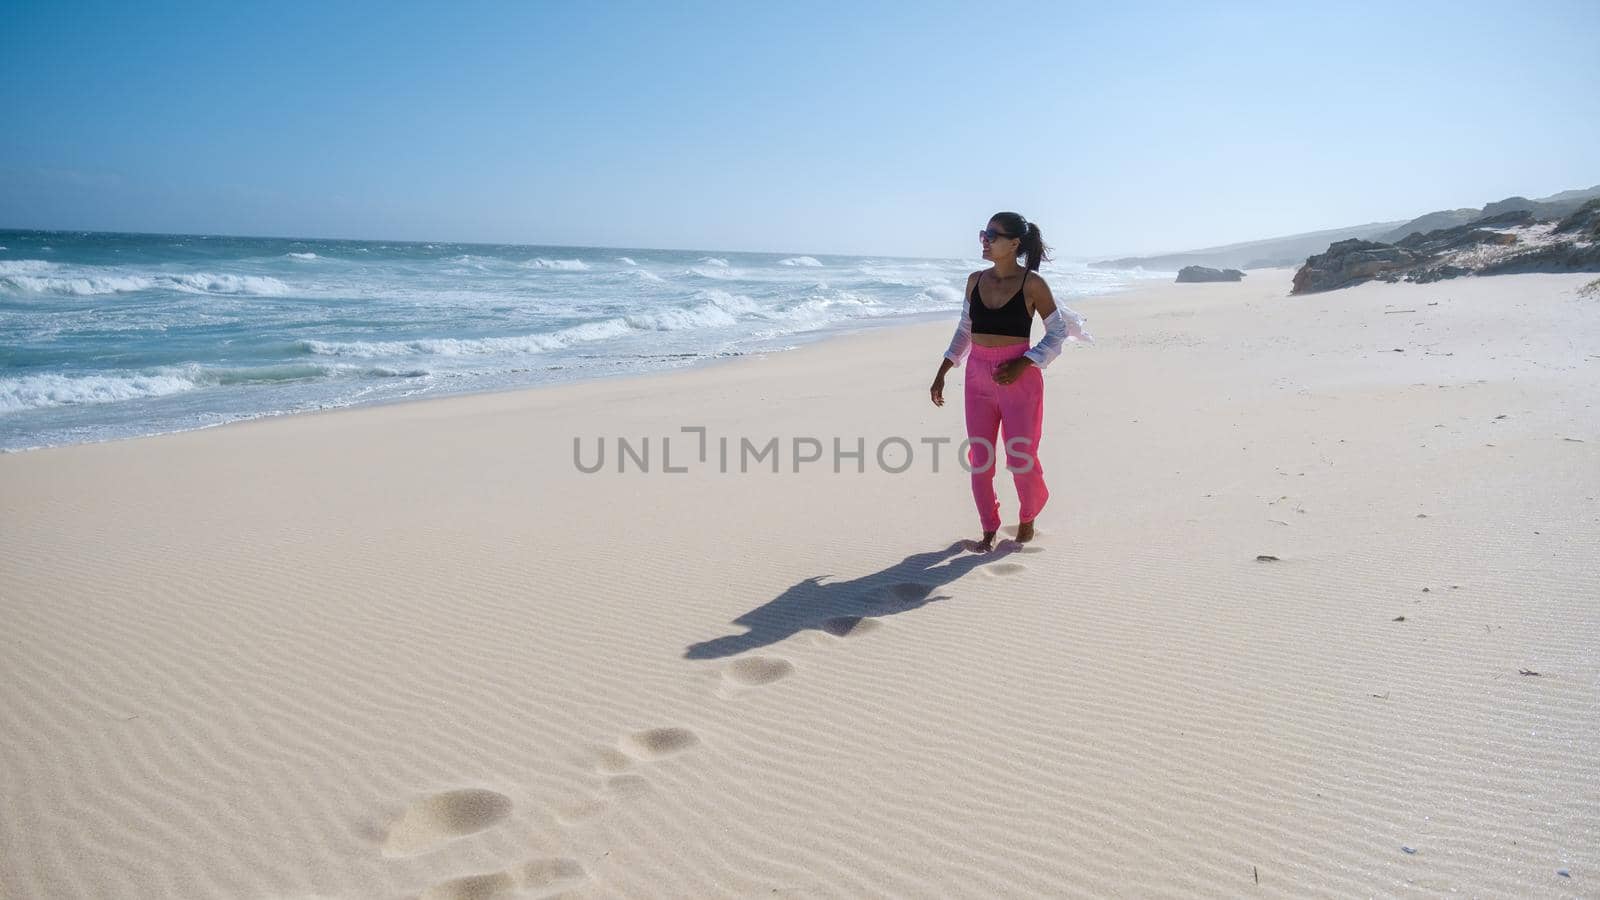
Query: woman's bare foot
x=1024, y=532
x=987, y=544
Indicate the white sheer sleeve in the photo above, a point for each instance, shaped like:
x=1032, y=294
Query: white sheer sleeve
x=962, y=342
x=1061, y=326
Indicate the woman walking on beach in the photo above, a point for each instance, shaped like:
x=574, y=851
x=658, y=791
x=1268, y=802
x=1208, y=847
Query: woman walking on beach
x=1005, y=383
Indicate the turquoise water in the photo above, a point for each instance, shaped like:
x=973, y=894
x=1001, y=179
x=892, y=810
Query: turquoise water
x=112, y=335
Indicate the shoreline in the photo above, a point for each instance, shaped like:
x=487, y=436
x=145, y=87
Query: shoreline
x=859, y=328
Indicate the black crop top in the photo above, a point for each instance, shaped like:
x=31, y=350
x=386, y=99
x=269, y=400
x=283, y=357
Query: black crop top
x=1011, y=320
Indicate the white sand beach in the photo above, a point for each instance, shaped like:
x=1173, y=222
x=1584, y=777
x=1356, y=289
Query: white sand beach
x=411, y=650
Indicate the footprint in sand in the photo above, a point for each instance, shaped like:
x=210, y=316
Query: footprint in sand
x=610, y=760
x=658, y=743
x=613, y=764
x=538, y=878
x=755, y=671
x=1003, y=568
x=433, y=821
x=627, y=787
x=849, y=626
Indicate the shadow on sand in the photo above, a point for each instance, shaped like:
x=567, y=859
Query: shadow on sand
x=845, y=607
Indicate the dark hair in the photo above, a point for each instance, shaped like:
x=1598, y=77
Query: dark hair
x=1032, y=245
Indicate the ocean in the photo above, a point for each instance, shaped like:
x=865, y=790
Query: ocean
x=106, y=336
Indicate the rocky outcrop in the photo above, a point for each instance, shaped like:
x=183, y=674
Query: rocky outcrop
x=1512, y=240
x=1350, y=262
x=1201, y=273
x=1557, y=257
x=1583, y=224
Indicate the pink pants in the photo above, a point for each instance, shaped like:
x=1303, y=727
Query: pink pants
x=1017, y=410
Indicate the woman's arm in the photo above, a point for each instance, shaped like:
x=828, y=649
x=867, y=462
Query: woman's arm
x=962, y=342
x=1060, y=324
x=959, y=345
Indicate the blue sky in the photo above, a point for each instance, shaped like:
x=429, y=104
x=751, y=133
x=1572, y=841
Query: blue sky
x=862, y=127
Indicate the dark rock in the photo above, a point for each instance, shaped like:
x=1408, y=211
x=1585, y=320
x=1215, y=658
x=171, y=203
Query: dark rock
x=1583, y=224
x=1419, y=257
x=1351, y=262
x=1439, y=273
x=1561, y=257
x=1201, y=273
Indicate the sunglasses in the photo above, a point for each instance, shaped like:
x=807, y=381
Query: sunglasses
x=988, y=235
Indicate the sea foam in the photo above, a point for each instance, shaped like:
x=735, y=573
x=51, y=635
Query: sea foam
x=36, y=391
x=41, y=277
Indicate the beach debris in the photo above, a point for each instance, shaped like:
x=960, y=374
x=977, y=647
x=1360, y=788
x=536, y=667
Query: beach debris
x=1382, y=696
x=1574, y=440
x=1427, y=590
x=1390, y=312
x=1399, y=350
x=1411, y=850
x=1563, y=873
x=1398, y=619
x=1527, y=672
x=1278, y=521
x=1422, y=515
x=1265, y=557
x=1499, y=417
x=1434, y=303
x=1257, y=873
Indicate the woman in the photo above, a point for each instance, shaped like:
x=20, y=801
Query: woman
x=1005, y=384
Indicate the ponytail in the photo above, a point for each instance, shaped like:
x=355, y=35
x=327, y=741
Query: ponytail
x=1031, y=241
x=1033, y=247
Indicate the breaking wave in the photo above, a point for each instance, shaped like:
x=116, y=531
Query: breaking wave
x=39, y=277
x=47, y=390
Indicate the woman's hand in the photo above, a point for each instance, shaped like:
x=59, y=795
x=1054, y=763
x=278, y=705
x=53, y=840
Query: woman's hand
x=937, y=390
x=1011, y=370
